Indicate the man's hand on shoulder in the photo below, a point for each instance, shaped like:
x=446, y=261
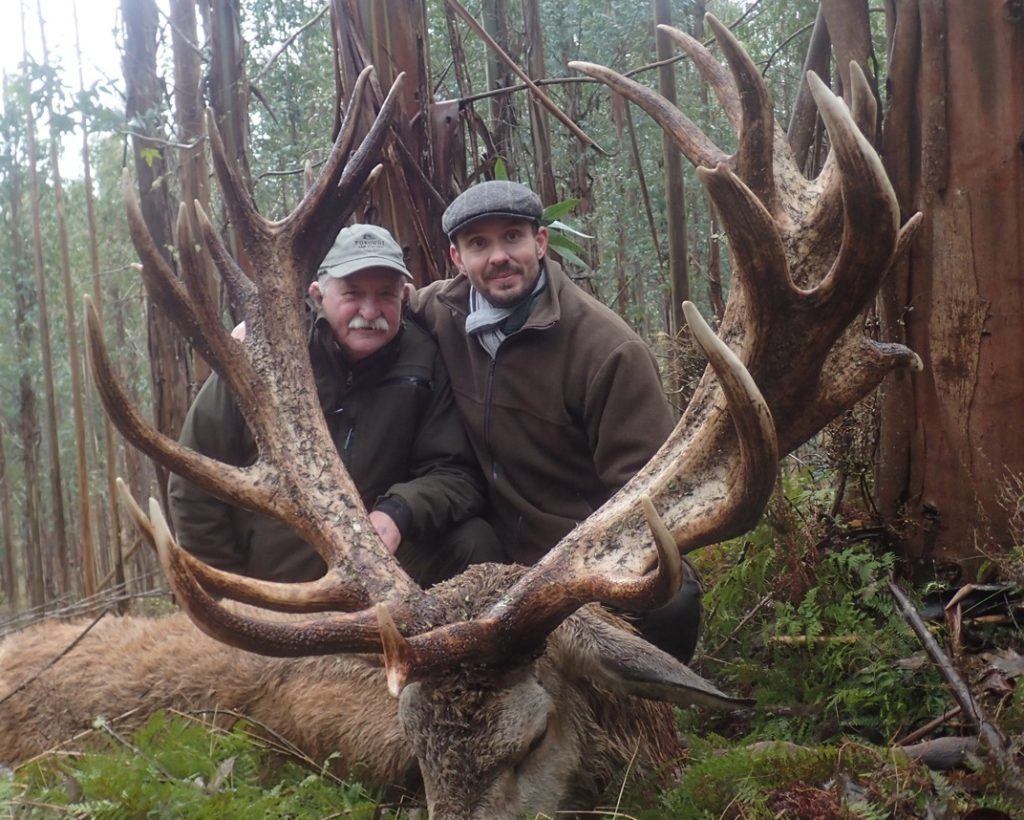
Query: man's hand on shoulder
x=386, y=529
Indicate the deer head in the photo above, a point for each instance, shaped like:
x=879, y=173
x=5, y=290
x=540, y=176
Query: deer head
x=496, y=671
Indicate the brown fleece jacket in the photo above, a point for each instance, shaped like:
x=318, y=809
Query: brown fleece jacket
x=393, y=420
x=564, y=415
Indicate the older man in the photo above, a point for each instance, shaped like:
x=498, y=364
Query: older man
x=388, y=404
x=562, y=400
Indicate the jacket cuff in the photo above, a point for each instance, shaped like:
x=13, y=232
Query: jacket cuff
x=397, y=510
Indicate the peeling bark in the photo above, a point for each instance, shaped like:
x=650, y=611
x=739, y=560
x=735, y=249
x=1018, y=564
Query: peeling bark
x=951, y=436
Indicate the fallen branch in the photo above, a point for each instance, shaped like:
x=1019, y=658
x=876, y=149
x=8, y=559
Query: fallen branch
x=746, y=619
x=929, y=727
x=943, y=753
x=541, y=97
x=989, y=734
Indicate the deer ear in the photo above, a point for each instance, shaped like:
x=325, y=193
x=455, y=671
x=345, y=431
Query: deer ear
x=618, y=659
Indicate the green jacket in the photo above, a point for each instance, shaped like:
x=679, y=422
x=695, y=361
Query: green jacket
x=564, y=415
x=393, y=420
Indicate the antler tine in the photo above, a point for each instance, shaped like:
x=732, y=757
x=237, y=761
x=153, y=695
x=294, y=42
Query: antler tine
x=253, y=229
x=691, y=140
x=347, y=132
x=138, y=517
x=757, y=131
x=751, y=477
x=317, y=220
x=398, y=656
x=227, y=358
x=293, y=639
x=321, y=189
x=827, y=211
x=325, y=594
x=162, y=285
x=720, y=80
x=863, y=105
x=329, y=593
x=758, y=253
x=246, y=486
x=241, y=290
x=871, y=211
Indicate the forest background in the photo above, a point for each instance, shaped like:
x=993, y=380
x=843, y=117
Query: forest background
x=925, y=476
x=281, y=93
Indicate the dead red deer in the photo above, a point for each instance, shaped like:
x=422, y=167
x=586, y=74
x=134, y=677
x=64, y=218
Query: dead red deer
x=514, y=691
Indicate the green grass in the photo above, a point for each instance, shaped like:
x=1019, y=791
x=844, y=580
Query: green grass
x=177, y=767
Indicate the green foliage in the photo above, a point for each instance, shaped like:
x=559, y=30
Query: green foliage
x=800, y=619
x=177, y=767
x=717, y=781
x=829, y=654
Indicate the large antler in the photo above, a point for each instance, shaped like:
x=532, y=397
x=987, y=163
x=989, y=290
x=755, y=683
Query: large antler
x=298, y=476
x=807, y=256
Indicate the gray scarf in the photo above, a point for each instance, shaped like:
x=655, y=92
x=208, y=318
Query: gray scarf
x=485, y=321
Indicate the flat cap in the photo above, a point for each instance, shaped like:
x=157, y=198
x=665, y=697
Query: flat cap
x=494, y=198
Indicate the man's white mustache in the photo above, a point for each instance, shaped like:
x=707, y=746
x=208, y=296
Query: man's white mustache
x=359, y=323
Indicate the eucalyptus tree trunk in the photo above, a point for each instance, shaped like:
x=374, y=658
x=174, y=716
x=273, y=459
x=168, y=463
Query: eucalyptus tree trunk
x=86, y=557
x=193, y=175
x=229, y=95
x=581, y=187
x=675, y=195
x=109, y=449
x=804, y=121
x=57, y=557
x=952, y=451
x=10, y=580
x=417, y=180
x=168, y=354
x=540, y=132
x=494, y=17
x=29, y=434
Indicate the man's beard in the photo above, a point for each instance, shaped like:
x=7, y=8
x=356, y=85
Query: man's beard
x=501, y=298
x=359, y=323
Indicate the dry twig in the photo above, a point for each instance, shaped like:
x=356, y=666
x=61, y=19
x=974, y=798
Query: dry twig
x=990, y=735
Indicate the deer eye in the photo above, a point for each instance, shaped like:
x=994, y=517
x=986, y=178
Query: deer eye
x=535, y=743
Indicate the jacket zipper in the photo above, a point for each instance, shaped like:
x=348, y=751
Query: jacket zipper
x=346, y=450
x=488, y=406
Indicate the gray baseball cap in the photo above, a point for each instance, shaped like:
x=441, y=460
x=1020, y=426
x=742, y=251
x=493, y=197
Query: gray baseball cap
x=359, y=247
x=493, y=198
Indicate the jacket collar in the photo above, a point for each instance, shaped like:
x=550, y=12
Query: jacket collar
x=547, y=310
